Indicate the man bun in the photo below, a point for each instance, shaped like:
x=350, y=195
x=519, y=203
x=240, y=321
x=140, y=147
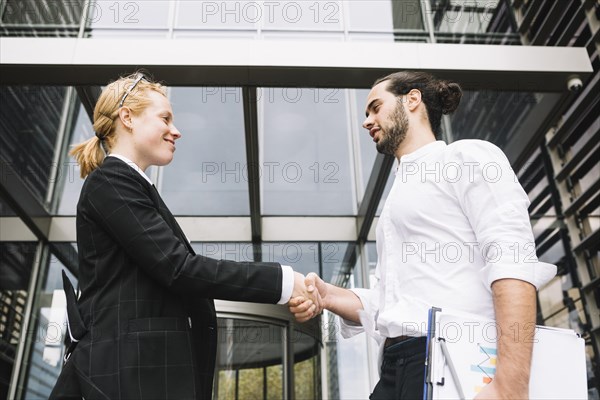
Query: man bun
x=450, y=94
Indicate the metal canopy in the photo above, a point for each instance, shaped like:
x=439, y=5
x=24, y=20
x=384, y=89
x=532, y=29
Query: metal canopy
x=202, y=62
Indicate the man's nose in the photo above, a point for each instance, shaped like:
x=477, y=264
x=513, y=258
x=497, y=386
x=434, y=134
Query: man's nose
x=367, y=123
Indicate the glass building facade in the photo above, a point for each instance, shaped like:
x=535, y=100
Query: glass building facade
x=276, y=166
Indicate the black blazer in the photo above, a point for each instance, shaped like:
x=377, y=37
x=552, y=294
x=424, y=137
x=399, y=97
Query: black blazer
x=146, y=297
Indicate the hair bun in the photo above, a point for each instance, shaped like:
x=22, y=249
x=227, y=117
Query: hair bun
x=450, y=94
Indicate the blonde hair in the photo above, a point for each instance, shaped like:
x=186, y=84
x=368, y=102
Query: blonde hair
x=90, y=153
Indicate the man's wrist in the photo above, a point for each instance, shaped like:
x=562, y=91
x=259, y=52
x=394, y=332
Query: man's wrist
x=513, y=387
x=329, y=301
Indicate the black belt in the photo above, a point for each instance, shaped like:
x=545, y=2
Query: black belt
x=398, y=339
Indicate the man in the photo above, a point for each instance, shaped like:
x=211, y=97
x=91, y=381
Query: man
x=454, y=233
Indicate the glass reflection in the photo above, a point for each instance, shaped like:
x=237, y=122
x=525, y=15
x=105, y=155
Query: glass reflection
x=302, y=257
x=50, y=328
x=16, y=261
x=5, y=210
x=209, y=174
x=306, y=167
x=306, y=366
x=249, y=360
x=39, y=18
x=29, y=114
x=321, y=15
x=370, y=16
x=492, y=115
x=142, y=18
x=238, y=15
x=69, y=178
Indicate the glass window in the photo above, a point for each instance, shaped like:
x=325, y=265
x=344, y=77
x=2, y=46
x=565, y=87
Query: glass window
x=352, y=368
x=231, y=15
x=349, y=367
x=5, y=210
x=34, y=12
x=370, y=15
x=407, y=15
x=16, y=261
x=69, y=177
x=302, y=257
x=327, y=259
x=371, y=254
x=129, y=17
x=248, y=353
x=40, y=18
x=225, y=251
x=50, y=328
x=29, y=114
x=306, y=167
x=368, y=152
x=497, y=116
x=554, y=254
x=306, y=362
x=463, y=16
x=321, y=15
x=334, y=265
x=208, y=175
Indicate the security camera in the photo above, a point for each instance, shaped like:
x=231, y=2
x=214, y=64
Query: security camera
x=574, y=84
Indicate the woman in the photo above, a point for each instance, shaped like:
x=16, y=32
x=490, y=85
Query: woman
x=145, y=324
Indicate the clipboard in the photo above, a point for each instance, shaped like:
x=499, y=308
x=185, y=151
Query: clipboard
x=461, y=359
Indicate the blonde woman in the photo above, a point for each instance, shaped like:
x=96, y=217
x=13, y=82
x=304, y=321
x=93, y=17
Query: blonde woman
x=144, y=326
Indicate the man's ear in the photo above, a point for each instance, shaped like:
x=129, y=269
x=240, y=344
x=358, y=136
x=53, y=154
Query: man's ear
x=125, y=117
x=413, y=99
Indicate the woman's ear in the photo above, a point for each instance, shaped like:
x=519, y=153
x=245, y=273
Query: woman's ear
x=413, y=99
x=125, y=117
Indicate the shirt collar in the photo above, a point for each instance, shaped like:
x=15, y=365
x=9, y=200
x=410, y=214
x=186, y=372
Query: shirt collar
x=132, y=165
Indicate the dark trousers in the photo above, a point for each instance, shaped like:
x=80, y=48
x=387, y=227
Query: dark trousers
x=402, y=371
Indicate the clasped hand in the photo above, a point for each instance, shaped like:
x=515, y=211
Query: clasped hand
x=308, y=296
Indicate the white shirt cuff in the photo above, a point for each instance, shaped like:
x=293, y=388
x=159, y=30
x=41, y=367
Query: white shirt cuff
x=287, y=284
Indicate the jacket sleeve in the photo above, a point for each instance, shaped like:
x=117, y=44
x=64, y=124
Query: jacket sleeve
x=120, y=204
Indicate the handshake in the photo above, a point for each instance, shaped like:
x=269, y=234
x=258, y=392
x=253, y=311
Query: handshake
x=309, y=296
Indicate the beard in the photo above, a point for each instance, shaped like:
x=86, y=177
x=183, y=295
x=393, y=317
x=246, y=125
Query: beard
x=395, y=132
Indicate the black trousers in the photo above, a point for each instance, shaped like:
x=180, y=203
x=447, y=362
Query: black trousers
x=402, y=371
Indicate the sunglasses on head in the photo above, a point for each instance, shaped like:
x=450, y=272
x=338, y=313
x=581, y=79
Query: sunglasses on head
x=137, y=80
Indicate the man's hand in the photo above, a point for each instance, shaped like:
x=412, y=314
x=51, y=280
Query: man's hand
x=306, y=294
x=305, y=308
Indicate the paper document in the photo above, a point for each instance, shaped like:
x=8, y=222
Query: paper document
x=558, y=369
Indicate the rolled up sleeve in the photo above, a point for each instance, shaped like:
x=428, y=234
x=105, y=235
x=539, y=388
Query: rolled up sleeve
x=497, y=208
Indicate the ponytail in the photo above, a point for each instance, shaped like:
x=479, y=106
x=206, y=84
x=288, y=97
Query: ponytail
x=89, y=155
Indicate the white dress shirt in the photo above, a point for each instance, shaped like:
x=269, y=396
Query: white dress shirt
x=455, y=221
x=287, y=285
